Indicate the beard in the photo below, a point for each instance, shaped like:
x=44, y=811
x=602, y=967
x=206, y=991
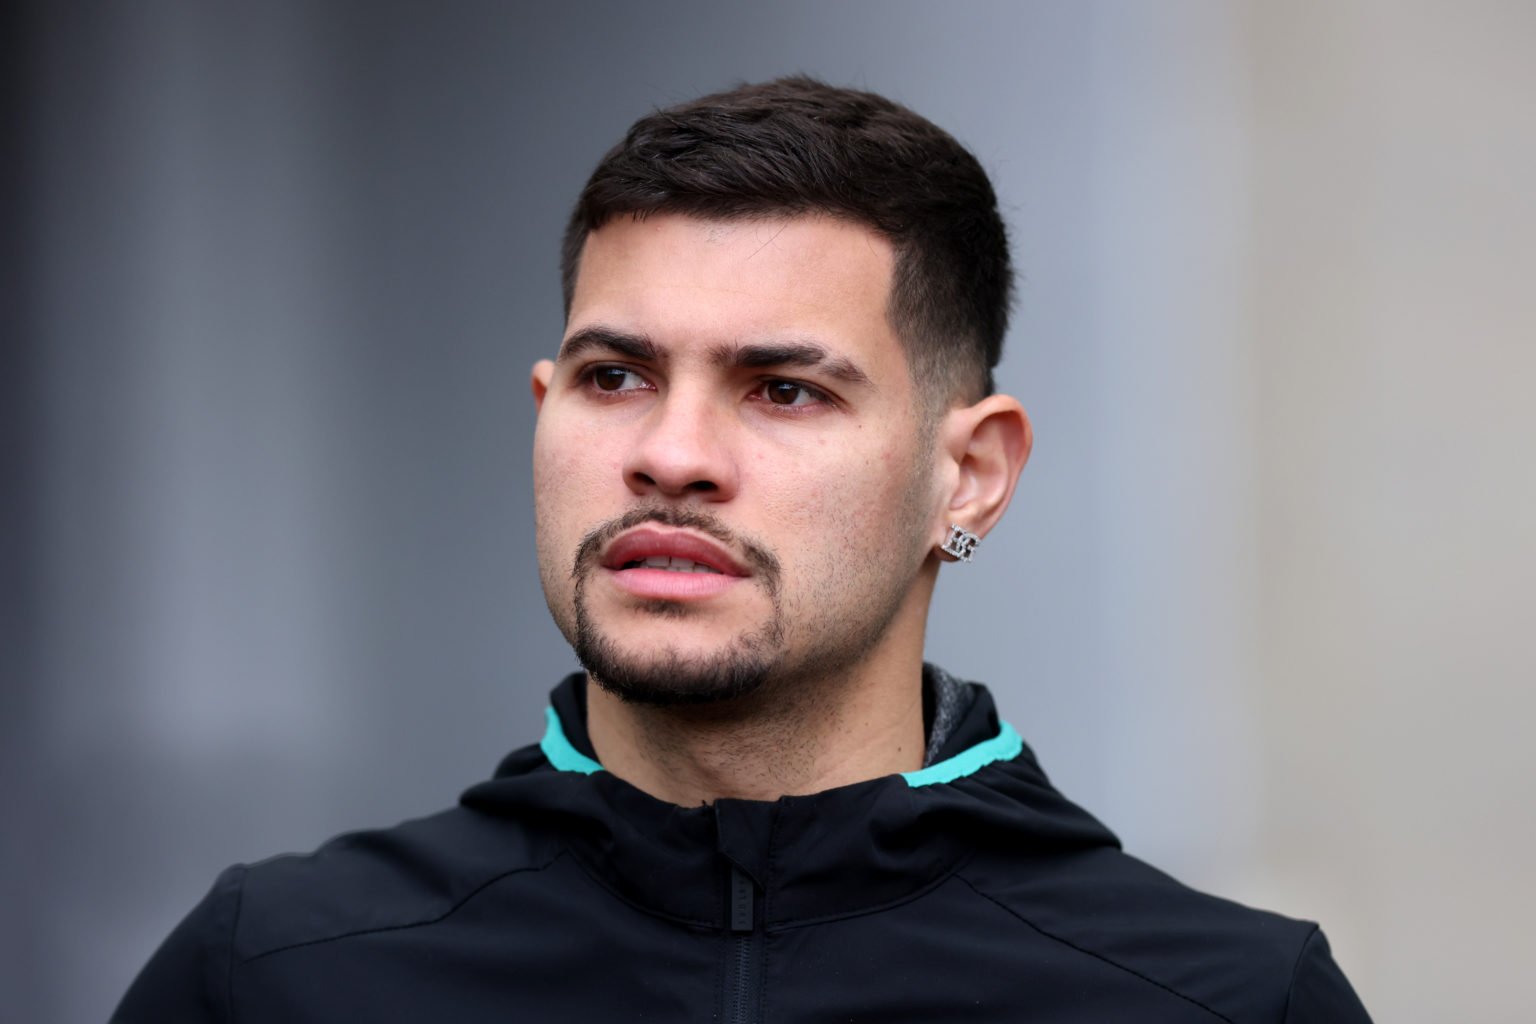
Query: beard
x=835, y=619
x=669, y=679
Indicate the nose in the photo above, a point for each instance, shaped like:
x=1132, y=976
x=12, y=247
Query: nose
x=683, y=449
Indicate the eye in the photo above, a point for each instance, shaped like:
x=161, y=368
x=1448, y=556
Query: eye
x=616, y=378
x=791, y=393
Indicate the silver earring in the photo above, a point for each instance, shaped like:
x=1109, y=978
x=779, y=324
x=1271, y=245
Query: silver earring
x=961, y=543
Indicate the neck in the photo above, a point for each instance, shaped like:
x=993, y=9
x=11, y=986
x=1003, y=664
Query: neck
x=791, y=737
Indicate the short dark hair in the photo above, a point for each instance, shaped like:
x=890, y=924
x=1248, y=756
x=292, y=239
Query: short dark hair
x=799, y=146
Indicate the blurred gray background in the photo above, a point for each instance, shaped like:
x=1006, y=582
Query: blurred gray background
x=275, y=274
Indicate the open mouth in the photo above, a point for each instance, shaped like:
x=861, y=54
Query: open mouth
x=673, y=551
x=670, y=563
x=656, y=563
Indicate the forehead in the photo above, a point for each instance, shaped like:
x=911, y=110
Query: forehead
x=683, y=280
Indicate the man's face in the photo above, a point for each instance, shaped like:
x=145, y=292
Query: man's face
x=732, y=483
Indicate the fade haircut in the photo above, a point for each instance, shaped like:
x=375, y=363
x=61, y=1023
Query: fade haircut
x=797, y=146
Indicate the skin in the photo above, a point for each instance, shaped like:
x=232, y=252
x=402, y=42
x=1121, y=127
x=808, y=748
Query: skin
x=747, y=372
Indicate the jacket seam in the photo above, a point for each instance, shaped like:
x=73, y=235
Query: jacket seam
x=760, y=995
x=597, y=880
x=879, y=908
x=229, y=970
x=775, y=927
x=477, y=890
x=1096, y=955
x=1290, y=988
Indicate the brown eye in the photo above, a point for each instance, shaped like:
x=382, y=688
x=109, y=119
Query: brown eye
x=609, y=378
x=783, y=392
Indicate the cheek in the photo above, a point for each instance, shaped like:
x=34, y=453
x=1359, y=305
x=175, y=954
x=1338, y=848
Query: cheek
x=570, y=465
x=574, y=477
x=828, y=506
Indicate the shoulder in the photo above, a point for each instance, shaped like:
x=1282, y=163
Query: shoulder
x=1237, y=963
x=415, y=873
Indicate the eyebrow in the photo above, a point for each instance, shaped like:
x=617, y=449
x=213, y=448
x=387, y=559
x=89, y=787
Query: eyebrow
x=807, y=354
x=759, y=355
x=634, y=346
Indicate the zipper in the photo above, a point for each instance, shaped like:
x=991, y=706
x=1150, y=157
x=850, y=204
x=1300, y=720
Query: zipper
x=740, y=997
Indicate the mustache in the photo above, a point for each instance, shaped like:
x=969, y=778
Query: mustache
x=762, y=561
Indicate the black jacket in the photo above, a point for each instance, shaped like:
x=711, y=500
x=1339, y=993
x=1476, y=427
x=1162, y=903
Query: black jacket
x=968, y=891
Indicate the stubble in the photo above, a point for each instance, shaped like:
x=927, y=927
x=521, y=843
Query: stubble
x=669, y=679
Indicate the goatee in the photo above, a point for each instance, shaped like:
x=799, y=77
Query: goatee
x=669, y=679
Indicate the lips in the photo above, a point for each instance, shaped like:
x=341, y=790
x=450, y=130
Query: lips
x=669, y=563
x=670, y=550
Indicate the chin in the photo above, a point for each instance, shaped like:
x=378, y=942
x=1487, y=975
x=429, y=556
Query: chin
x=670, y=677
x=674, y=653
x=673, y=680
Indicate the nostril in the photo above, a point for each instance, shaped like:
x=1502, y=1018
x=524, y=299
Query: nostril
x=680, y=466
x=697, y=486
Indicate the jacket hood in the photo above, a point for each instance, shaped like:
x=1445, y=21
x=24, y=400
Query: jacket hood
x=835, y=853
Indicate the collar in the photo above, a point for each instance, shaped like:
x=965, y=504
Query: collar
x=958, y=743
x=830, y=854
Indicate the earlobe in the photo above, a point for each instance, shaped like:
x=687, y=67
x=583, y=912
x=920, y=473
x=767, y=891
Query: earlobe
x=989, y=443
x=543, y=372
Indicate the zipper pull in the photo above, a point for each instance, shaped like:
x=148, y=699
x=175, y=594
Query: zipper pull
x=743, y=897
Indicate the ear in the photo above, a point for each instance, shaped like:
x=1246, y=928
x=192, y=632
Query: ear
x=543, y=373
x=987, y=444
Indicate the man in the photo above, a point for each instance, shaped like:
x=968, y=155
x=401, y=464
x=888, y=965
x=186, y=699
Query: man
x=770, y=420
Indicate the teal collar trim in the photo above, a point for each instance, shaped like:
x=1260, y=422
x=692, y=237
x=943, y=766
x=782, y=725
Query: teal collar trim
x=559, y=751
x=1005, y=746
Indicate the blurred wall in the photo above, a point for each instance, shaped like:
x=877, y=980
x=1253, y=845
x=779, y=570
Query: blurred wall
x=276, y=274
x=1394, y=331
